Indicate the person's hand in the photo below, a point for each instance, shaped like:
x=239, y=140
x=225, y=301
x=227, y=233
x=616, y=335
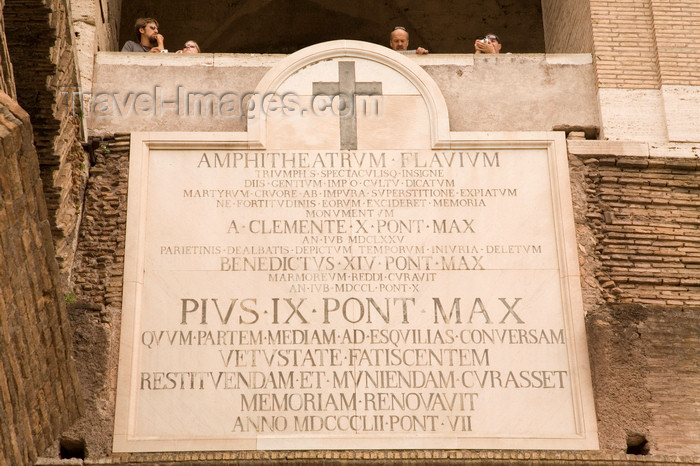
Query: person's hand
x=161, y=41
x=421, y=51
x=480, y=47
x=155, y=50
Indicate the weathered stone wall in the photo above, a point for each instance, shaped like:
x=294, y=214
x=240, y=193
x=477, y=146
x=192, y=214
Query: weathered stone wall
x=567, y=26
x=637, y=221
x=645, y=376
x=39, y=40
x=95, y=315
x=637, y=217
x=643, y=215
x=38, y=383
x=96, y=26
x=7, y=77
x=100, y=259
x=182, y=84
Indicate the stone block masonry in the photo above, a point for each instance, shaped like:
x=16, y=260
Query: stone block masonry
x=38, y=382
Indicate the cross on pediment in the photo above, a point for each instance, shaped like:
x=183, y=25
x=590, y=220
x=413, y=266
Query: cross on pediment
x=346, y=89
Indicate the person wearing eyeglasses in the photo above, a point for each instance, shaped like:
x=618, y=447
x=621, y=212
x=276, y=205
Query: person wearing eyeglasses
x=398, y=40
x=489, y=44
x=190, y=47
x=147, y=37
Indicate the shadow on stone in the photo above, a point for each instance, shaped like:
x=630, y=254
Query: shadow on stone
x=70, y=447
x=637, y=444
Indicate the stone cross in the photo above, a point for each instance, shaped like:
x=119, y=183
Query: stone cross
x=346, y=89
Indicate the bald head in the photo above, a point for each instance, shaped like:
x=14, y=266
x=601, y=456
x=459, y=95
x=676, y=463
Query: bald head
x=399, y=39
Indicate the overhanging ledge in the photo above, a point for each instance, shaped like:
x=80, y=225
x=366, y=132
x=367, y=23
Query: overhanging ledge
x=536, y=92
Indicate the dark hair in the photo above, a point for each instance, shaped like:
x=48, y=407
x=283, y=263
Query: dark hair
x=498, y=39
x=142, y=23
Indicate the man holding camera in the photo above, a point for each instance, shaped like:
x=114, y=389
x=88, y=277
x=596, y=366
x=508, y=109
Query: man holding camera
x=149, y=40
x=489, y=44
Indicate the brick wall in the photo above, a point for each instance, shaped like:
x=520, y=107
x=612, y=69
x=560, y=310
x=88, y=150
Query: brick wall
x=624, y=45
x=641, y=44
x=97, y=283
x=567, y=26
x=647, y=59
x=386, y=458
x=642, y=216
x=677, y=28
x=99, y=264
x=39, y=40
x=646, y=215
x=38, y=382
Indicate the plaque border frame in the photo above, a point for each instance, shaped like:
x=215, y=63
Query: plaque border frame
x=572, y=304
x=142, y=143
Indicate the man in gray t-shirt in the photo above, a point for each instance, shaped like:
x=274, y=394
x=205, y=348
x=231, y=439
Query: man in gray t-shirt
x=148, y=38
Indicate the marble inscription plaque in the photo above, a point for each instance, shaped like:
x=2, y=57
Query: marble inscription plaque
x=315, y=299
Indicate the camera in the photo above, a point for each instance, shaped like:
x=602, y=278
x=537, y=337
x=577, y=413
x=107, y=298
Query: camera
x=164, y=51
x=485, y=40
